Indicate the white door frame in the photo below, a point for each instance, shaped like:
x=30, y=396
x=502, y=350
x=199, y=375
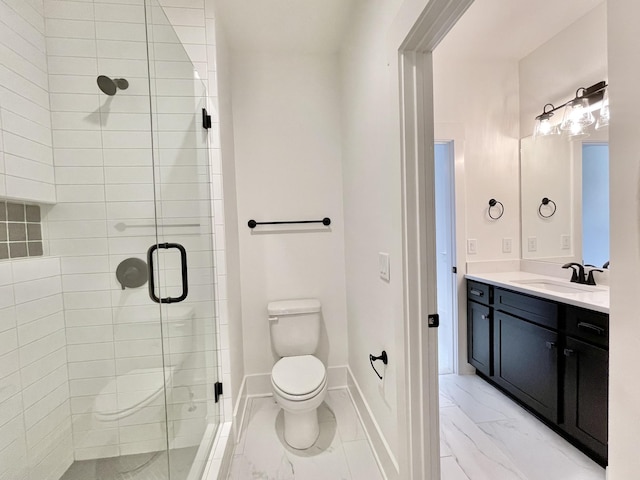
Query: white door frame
x=414, y=57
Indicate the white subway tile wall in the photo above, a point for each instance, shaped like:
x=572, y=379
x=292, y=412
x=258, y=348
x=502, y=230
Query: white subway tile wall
x=35, y=413
x=105, y=213
x=26, y=157
x=72, y=343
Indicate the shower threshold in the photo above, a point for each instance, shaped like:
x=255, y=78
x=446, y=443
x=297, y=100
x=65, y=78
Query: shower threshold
x=142, y=466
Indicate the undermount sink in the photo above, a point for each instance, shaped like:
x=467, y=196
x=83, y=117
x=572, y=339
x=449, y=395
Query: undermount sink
x=558, y=286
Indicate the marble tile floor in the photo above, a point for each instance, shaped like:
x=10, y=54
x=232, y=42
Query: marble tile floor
x=341, y=451
x=484, y=435
x=143, y=466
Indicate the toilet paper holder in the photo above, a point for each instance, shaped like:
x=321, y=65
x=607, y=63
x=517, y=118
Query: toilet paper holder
x=383, y=357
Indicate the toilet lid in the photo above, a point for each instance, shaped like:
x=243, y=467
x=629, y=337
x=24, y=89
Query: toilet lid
x=298, y=375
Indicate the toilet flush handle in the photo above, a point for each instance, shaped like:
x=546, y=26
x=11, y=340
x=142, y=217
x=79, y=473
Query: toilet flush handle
x=273, y=318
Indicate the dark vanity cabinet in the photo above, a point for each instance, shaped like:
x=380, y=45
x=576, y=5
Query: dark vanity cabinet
x=479, y=327
x=551, y=357
x=526, y=350
x=526, y=363
x=586, y=374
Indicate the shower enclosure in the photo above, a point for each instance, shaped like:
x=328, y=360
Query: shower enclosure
x=129, y=236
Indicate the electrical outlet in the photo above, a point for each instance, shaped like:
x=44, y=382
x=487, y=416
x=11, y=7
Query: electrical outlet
x=506, y=245
x=565, y=242
x=532, y=244
x=383, y=266
x=472, y=246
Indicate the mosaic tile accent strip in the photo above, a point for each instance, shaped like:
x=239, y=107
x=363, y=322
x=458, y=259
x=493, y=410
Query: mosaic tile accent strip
x=20, y=230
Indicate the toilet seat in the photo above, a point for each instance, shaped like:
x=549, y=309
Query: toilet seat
x=298, y=378
x=104, y=410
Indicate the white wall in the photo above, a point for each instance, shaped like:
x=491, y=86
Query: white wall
x=624, y=390
x=25, y=123
x=576, y=57
x=287, y=154
x=481, y=94
x=372, y=205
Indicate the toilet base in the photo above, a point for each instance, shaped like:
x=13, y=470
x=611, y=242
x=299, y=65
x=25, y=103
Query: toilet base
x=301, y=429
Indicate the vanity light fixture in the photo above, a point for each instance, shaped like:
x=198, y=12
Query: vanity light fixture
x=543, y=126
x=577, y=114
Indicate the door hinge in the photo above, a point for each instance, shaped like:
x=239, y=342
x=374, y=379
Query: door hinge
x=454, y=269
x=206, y=119
x=217, y=391
x=433, y=320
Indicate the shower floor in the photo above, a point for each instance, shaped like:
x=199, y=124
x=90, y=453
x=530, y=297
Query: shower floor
x=144, y=466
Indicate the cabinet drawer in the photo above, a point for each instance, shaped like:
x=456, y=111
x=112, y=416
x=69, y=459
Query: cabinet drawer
x=479, y=292
x=529, y=308
x=588, y=325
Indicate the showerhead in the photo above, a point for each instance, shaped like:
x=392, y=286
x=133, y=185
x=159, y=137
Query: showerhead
x=110, y=87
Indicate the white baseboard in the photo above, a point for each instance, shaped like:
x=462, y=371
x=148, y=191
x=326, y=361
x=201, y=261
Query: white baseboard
x=239, y=411
x=259, y=385
x=386, y=460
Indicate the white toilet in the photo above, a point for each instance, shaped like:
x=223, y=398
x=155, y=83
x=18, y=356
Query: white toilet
x=141, y=391
x=298, y=379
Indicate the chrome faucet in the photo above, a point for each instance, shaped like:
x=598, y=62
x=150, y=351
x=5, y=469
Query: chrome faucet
x=578, y=273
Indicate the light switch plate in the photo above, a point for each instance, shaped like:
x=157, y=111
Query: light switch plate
x=472, y=246
x=507, y=244
x=383, y=266
x=532, y=244
x=565, y=242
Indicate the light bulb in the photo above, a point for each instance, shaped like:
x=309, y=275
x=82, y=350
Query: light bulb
x=577, y=112
x=603, y=119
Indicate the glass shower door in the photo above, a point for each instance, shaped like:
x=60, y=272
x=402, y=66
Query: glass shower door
x=183, y=256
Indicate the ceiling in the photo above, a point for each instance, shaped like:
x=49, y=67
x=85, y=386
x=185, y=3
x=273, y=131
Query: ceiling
x=507, y=29
x=511, y=29
x=285, y=25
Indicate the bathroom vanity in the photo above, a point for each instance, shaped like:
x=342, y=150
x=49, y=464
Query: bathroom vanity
x=544, y=341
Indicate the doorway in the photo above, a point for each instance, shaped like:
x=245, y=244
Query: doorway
x=446, y=255
x=595, y=203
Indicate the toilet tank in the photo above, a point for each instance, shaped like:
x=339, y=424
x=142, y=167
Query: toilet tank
x=294, y=326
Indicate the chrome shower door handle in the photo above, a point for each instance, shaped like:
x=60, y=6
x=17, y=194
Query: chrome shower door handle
x=152, y=281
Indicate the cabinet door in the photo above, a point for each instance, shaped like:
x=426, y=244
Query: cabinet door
x=480, y=332
x=586, y=403
x=526, y=363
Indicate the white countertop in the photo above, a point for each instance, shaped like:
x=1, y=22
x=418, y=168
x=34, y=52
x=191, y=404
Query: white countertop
x=593, y=298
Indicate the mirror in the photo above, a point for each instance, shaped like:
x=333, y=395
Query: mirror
x=574, y=224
